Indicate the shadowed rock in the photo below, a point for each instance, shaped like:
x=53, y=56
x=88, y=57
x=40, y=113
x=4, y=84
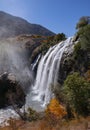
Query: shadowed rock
x=11, y=93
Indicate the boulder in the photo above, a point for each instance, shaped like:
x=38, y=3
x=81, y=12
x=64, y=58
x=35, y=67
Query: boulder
x=11, y=92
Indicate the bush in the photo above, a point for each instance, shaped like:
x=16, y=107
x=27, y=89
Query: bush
x=32, y=115
x=87, y=75
x=77, y=51
x=59, y=37
x=54, y=109
x=84, y=37
x=81, y=52
x=77, y=93
x=83, y=21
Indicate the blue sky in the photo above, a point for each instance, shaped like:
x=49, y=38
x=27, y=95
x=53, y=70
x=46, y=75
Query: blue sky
x=56, y=15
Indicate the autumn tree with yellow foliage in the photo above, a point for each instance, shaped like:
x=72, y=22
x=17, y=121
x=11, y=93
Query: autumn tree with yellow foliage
x=55, y=109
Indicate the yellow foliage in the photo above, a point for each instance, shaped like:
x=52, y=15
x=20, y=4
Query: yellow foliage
x=55, y=109
x=87, y=75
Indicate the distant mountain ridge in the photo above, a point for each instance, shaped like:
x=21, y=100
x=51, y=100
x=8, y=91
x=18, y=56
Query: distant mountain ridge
x=14, y=26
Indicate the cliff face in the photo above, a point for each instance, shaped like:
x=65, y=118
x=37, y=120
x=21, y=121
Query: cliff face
x=14, y=26
x=71, y=63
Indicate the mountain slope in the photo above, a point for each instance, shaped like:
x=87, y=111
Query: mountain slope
x=13, y=26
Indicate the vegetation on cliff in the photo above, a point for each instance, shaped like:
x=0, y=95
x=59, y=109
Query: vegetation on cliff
x=74, y=87
x=46, y=43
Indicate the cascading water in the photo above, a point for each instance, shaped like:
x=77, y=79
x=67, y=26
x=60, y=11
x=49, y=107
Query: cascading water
x=47, y=73
x=36, y=62
x=46, y=78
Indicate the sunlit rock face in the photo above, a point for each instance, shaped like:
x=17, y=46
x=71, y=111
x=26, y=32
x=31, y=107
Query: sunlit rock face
x=11, y=93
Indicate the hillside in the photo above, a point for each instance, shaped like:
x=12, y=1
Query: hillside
x=14, y=26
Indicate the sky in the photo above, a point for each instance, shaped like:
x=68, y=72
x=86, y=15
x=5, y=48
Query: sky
x=59, y=16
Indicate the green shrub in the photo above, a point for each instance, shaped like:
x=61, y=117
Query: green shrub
x=32, y=114
x=84, y=37
x=59, y=37
x=77, y=93
x=83, y=21
x=77, y=50
x=82, y=48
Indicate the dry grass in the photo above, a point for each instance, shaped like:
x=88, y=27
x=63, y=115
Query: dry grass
x=78, y=124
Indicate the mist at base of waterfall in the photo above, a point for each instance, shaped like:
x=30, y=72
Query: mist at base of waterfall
x=13, y=59
x=34, y=104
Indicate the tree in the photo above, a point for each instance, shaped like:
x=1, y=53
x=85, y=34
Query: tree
x=84, y=35
x=83, y=21
x=59, y=37
x=77, y=93
x=55, y=109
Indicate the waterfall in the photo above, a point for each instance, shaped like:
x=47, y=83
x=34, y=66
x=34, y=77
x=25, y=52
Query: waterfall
x=47, y=73
x=46, y=78
x=36, y=62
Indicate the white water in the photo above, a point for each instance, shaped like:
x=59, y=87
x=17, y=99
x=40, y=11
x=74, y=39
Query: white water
x=47, y=73
x=5, y=115
x=34, y=65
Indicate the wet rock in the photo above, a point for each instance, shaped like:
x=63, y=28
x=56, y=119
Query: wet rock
x=66, y=63
x=70, y=64
x=11, y=92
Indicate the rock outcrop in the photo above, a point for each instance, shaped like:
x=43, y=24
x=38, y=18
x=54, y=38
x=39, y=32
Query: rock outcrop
x=70, y=63
x=11, y=92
